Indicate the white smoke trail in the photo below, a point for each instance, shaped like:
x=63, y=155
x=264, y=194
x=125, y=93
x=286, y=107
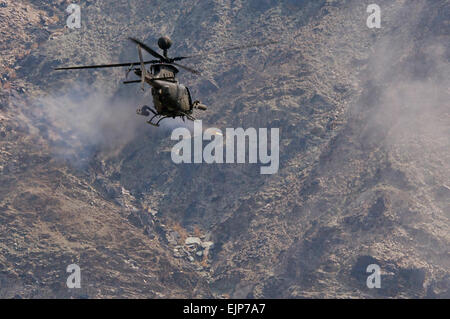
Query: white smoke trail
x=81, y=121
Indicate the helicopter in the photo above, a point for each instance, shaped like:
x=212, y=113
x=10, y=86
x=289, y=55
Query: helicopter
x=170, y=98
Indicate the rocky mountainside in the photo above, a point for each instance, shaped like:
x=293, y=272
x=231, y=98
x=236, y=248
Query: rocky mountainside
x=364, y=174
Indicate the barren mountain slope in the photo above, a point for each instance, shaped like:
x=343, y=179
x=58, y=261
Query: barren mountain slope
x=364, y=151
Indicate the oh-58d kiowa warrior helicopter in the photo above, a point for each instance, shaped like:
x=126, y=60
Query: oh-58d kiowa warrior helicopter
x=170, y=98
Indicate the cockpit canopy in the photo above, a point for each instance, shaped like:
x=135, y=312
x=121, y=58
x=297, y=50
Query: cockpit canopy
x=163, y=70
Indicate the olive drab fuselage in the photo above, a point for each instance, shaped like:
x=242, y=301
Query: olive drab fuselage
x=169, y=96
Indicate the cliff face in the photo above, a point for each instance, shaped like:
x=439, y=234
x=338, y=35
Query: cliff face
x=364, y=172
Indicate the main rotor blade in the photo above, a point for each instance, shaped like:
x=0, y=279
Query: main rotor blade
x=148, y=49
x=132, y=81
x=104, y=65
x=186, y=68
x=143, y=70
x=254, y=45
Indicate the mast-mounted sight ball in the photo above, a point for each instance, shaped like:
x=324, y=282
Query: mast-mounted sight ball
x=164, y=43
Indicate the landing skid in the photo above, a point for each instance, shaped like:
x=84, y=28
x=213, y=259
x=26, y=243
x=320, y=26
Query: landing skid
x=145, y=111
x=157, y=123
